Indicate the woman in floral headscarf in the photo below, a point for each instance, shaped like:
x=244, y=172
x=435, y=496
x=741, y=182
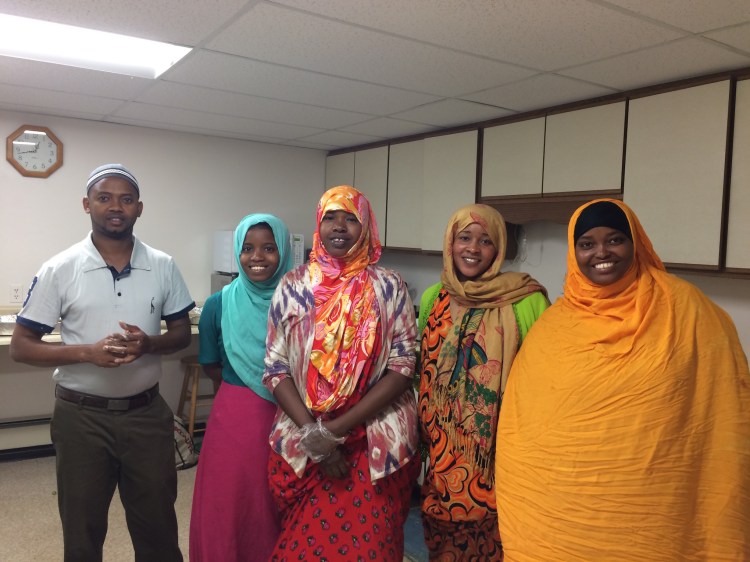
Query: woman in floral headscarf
x=340, y=362
x=625, y=430
x=471, y=324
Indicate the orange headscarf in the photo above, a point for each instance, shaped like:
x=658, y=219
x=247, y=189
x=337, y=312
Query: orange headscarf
x=346, y=337
x=625, y=427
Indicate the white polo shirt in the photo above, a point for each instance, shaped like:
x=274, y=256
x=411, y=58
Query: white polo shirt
x=77, y=286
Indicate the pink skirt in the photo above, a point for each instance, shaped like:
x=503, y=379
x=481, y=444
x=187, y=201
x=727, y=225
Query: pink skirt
x=234, y=517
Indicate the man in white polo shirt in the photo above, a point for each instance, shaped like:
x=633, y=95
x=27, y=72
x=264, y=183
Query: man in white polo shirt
x=110, y=427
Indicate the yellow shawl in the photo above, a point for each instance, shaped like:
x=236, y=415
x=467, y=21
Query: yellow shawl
x=625, y=427
x=474, y=359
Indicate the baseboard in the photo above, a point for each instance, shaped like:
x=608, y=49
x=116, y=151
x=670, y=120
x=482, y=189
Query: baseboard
x=24, y=453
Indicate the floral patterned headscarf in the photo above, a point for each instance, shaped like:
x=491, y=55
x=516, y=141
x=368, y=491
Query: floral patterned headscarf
x=346, y=338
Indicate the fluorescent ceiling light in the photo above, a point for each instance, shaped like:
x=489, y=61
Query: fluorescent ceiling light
x=85, y=48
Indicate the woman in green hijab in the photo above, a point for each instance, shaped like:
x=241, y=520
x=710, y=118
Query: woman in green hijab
x=234, y=518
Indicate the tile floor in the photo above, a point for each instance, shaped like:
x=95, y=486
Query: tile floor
x=414, y=547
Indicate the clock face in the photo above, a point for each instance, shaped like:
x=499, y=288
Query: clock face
x=34, y=151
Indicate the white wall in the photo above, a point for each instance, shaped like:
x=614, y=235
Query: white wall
x=190, y=184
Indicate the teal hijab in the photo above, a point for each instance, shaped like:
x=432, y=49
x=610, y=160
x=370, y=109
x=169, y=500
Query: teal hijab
x=245, y=303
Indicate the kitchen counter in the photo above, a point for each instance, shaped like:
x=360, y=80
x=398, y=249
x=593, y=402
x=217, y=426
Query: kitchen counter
x=27, y=393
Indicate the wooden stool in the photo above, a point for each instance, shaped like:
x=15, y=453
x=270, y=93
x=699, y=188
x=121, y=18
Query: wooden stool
x=189, y=392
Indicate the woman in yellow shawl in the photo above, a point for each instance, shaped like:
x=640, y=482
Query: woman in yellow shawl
x=625, y=429
x=475, y=320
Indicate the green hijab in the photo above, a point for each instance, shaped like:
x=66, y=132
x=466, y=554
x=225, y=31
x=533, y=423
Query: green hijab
x=245, y=303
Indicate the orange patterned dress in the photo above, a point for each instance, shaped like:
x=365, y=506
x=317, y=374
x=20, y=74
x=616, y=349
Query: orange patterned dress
x=458, y=503
x=459, y=512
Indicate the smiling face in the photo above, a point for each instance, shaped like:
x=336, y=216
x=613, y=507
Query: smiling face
x=473, y=252
x=259, y=256
x=339, y=232
x=604, y=255
x=113, y=206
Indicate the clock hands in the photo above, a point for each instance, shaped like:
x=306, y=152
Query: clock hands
x=35, y=149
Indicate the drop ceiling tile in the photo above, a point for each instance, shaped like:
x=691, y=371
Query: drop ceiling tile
x=680, y=59
x=543, y=90
x=164, y=20
x=311, y=145
x=341, y=139
x=480, y=50
x=229, y=103
x=14, y=105
x=348, y=51
x=737, y=36
x=389, y=128
x=539, y=35
x=165, y=114
x=449, y=113
x=235, y=74
x=57, y=103
x=695, y=16
x=34, y=74
x=193, y=129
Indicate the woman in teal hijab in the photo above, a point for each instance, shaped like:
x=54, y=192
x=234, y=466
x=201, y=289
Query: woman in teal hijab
x=234, y=518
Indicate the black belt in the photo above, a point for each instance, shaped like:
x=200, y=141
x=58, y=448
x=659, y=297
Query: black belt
x=115, y=404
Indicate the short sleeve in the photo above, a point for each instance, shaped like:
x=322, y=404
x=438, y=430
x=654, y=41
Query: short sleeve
x=277, y=351
x=528, y=311
x=425, y=305
x=43, y=305
x=178, y=301
x=209, y=331
x=402, y=357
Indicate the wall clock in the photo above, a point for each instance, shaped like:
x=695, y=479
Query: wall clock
x=34, y=151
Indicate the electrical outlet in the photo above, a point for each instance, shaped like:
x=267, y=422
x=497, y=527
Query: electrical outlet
x=16, y=293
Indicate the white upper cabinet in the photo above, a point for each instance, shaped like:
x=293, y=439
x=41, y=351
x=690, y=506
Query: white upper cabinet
x=405, y=179
x=340, y=170
x=367, y=170
x=574, y=152
x=738, y=235
x=449, y=182
x=583, y=150
x=513, y=159
x=427, y=181
x=371, y=178
x=674, y=171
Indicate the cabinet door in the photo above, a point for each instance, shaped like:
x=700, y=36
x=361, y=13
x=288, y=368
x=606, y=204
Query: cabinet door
x=674, y=171
x=340, y=170
x=450, y=177
x=583, y=150
x=405, y=173
x=371, y=178
x=512, y=159
x=738, y=234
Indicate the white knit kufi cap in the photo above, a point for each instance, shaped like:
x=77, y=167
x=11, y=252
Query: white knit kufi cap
x=112, y=170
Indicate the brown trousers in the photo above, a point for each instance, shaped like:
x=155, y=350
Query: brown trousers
x=99, y=450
